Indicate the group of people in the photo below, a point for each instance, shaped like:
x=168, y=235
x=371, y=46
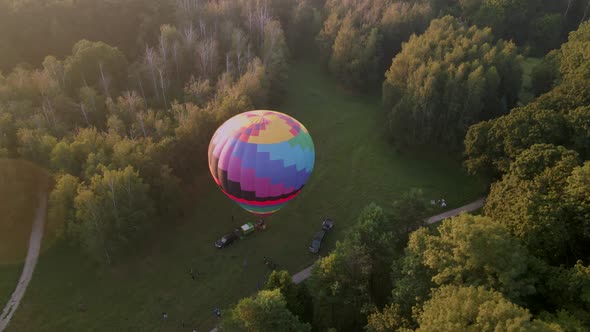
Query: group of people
x=441, y=202
x=260, y=225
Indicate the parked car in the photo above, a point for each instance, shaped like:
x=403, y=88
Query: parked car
x=316, y=243
x=226, y=240
x=327, y=224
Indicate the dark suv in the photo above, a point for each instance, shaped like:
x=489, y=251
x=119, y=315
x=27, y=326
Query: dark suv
x=327, y=224
x=316, y=243
x=226, y=240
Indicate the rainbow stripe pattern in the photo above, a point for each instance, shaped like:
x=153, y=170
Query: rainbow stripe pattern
x=261, y=160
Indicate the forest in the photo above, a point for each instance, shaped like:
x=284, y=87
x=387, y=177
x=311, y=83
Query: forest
x=118, y=101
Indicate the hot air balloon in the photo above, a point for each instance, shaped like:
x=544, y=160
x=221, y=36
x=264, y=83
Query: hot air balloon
x=261, y=160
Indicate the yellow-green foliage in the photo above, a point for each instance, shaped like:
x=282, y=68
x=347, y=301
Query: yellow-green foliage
x=460, y=308
x=448, y=78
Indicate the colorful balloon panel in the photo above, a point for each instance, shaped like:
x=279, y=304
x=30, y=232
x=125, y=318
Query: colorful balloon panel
x=261, y=159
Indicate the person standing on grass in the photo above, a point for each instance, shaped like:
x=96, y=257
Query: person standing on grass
x=217, y=312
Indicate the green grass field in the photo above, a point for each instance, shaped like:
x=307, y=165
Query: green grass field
x=20, y=183
x=354, y=166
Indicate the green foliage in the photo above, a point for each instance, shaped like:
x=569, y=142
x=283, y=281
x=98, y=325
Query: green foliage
x=533, y=200
x=577, y=196
x=325, y=38
x=61, y=203
x=355, y=58
x=304, y=25
x=266, y=312
x=356, y=276
x=111, y=212
x=63, y=159
x=399, y=21
x=36, y=146
x=537, y=25
x=196, y=127
x=31, y=30
x=274, y=58
x=545, y=32
x=411, y=278
x=557, y=117
x=475, y=309
x=545, y=74
x=446, y=79
x=381, y=240
x=297, y=297
x=579, y=126
x=254, y=87
x=574, y=55
x=473, y=250
x=513, y=134
x=409, y=211
x=389, y=319
x=98, y=65
x=167, y=191
x=507, y=18
x=340, y=288
x=198, y=91
x=7, y=134
x=357, y=41
x=563, y=295
x=563, y=319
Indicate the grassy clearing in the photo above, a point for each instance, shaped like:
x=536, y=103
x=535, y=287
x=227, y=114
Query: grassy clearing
x=354, y=166
x=20, y=184
x=8, y=279
x=526, y=94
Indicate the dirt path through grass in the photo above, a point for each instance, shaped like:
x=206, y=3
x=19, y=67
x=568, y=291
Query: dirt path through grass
x=30, y=263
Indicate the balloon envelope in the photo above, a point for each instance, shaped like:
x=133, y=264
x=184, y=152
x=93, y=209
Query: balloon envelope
x=261, y=160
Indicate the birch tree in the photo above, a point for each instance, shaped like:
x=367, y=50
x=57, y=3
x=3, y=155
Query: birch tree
x=151, y=61
x=111, y=212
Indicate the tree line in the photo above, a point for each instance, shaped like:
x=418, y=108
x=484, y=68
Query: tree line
x=124, y=134
x=359, y=38
x=30, y=30
x=443, y=65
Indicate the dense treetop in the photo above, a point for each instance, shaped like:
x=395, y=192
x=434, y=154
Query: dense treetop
x=359, y=38
x=560, y=116
x=446, y=79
